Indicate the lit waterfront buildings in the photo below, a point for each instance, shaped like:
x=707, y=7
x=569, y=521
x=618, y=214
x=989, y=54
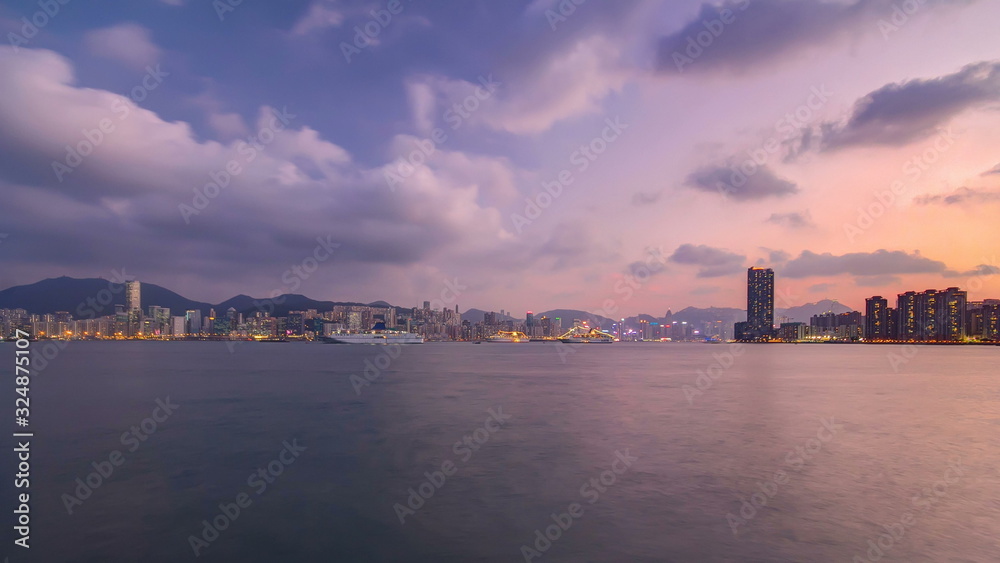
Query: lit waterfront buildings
x=929, y=316
x=759, y=326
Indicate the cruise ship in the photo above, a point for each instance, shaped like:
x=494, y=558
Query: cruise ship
x=377, y=335
x=511, y=337
x=583, y=334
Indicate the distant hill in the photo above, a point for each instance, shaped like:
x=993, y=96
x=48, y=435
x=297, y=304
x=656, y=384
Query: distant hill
x=83, y=298
x=476, y=316
x=567, y=316
x=697, y=316
x=803, y=313
x=78, y=296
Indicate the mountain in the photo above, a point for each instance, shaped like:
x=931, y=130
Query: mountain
x=567, y=316
x=97, y=297
x=803, y=313
x=88, y=297
x=277, y=306
x=696, y=316
x=476, y=316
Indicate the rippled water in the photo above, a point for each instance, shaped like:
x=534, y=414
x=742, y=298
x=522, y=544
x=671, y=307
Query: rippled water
x=833, y=438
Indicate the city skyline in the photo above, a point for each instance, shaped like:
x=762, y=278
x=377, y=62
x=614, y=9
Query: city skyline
x=551, y=166
x=929, y=316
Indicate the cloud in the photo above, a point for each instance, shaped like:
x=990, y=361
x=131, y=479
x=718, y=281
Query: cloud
x=901, y=113
x=960, y=196
x=793, y=220
x=228, y=125
x=776, y=256
x=569, y=83
x=713, y=262
x=298, y=187
x=128, y=43
x=705, y=290
x=735, y=184
x=321, y=15
x=982, y=270
x=821, y=287
x=761, y=31
x=646, y=198
x=878, y=281
x=764, y=31
x=879, y=263
x=994, y=170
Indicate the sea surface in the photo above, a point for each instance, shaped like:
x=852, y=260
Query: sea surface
x=707, y=453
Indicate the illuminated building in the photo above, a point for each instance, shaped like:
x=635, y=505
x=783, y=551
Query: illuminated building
x=759, y=325
x=877, y=319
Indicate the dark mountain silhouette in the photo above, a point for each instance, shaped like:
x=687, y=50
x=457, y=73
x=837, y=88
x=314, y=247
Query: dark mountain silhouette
x=89, y=297
x=97, y=297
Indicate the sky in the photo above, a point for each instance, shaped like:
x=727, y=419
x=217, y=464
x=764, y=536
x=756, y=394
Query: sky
x=617, y=157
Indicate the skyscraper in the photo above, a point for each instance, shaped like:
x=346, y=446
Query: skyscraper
x=877, y=319
x=907, y=325
x=132, y=296
x=133, y=308
x=953, y=314
x=760, y=305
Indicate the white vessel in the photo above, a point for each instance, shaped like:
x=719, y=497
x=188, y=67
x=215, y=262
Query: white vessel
x=508, y=337
x=583, y=334
x=377, y=335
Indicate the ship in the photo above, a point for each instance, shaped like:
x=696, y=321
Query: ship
x=584, y=334
x=509, y=337
x=379, y=334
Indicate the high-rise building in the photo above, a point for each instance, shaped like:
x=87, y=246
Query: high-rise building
x=760, y=305
x=877, y=319
x=991, y=319
x=132, y=295
x=932, y=315
x=953, y=314
x=833, y=326
x=193, y=321
x=907, y=325
x=133, y=308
